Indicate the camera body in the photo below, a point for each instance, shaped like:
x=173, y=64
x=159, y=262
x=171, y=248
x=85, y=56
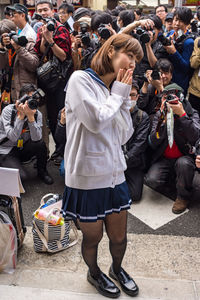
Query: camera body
x=171, y=98
x=19, y=40
x=50, y=22
x=195, y=26
x=84, y=34
x=103, y=31
x=155, y=75
x=33, y=100
x=143, y=34
x=163, y=39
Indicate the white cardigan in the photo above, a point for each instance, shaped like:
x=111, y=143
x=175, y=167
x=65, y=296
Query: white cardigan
x=98, y=122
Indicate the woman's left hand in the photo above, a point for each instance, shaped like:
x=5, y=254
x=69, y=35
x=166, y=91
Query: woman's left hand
x=125, y=76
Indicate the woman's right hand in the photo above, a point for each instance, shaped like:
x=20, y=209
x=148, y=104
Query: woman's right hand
x=125, y=76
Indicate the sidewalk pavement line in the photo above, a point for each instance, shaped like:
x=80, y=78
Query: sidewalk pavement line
x=195, y=290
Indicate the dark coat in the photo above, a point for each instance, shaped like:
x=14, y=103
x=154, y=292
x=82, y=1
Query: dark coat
x=135, y=148
x=186, y=132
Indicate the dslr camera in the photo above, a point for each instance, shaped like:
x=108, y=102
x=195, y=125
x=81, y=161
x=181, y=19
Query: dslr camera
x=19, y=40
x=195, y=27
x=84, y=34
x=163, y=39
x=103, y=31
x=33, y=100
x=50, y=22
x=143, y=34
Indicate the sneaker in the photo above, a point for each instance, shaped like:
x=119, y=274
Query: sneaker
x=46, y=178
x=179, y=206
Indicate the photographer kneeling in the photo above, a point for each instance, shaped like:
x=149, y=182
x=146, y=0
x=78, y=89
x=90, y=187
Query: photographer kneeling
x=21, y=134
x=155, y=81
x=175, y=130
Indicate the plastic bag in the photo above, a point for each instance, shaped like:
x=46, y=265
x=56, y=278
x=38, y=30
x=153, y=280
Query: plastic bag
x=8, y=244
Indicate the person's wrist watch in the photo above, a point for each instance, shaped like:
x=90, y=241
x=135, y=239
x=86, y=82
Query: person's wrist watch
x=51, y=44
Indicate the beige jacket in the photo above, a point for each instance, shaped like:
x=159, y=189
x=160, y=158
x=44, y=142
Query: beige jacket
x=25, y=66
x=194, y=87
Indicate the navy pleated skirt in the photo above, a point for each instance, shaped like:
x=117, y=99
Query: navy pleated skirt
x=95, y=204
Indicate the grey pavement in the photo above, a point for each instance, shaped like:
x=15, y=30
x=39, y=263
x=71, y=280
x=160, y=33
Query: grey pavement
x=164, y=267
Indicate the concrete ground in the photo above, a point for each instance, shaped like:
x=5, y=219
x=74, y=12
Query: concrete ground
x=164, y=267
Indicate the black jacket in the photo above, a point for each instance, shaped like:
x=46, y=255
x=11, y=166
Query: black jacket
x=186, y=132
x=60, y=135
x=149, y=101
x=135, y=147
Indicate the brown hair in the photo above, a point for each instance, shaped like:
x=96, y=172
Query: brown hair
x=102, y=64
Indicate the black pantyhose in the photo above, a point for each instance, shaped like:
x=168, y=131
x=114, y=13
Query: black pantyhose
x=92, y=235
x=115, y=225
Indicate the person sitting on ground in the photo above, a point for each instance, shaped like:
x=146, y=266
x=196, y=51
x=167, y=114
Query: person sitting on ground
x=134, y=149
x=21, y=136
x=172, y=144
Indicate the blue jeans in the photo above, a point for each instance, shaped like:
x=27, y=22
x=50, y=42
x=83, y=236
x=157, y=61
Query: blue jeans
x=62, y=168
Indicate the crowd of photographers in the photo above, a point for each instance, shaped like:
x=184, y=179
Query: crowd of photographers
x=165, y=146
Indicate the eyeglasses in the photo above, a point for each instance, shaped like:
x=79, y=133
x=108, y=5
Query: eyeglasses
x=159, y=11
x=62, y=13
x=133, y=95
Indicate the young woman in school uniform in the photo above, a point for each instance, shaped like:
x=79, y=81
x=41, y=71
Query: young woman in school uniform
x=98, y=123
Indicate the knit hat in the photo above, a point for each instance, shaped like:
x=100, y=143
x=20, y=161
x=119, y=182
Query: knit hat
x=173, y=87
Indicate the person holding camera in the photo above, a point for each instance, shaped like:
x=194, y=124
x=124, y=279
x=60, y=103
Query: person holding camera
x=6, y=26
x=171, y=144
x=53, y=38
x=146, y=31
x=21, y=20
x=17, y=53
x=179, y=46
x=21, y=134
x=155, y=81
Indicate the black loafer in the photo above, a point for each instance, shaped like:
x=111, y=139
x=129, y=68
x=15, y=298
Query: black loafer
x=127, y=283
x=45, y=177
x=104, y=285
